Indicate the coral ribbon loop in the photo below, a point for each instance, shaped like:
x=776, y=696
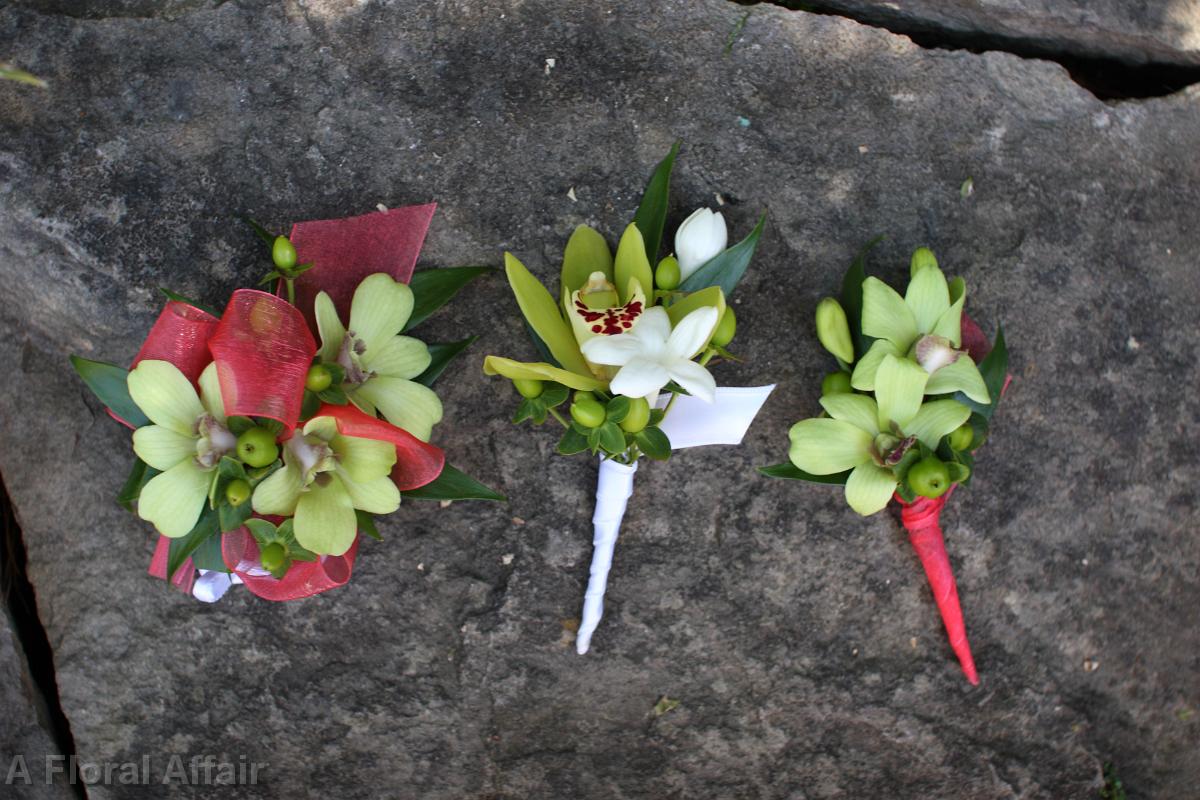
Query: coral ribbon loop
x=417, y=462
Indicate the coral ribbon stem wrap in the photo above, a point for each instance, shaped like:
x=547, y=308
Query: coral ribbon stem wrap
x=922, y=520
x=263, y=349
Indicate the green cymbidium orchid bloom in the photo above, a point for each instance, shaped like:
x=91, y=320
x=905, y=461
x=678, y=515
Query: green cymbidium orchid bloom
x=925, y=324
x=325, y=477
x=870, y=438
x=187, y=440
x=379, y=363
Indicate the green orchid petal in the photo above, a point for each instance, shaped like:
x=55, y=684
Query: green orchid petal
x=375, y=496
x=961, y=376
x=280, y=491
x=363, y=404
x=162, y=392
x=949, y=324
x=540, y=371
x=863, y=377
x=173, y=500
x=210, y=393
x=586, y=252
x=380, y=307
x=324, y=428
x=928, y=297
x=325, y=521
x=162, y=448
x=398, y=357
x=329, y=326
x=828, y=446
x=857, y=409
x=885, y=315
x=870, y=487
x=544, y=316
x=711, y=296
x=364, y=459
x=935, y=420
x=405, y=404
x=899, y=387
x=631, y=263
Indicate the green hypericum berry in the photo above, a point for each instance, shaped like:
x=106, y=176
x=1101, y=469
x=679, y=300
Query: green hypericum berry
x=319, y=378
x=922, y=257
x=929, y=477
x=962, y=437
x=836, y=383
x=257, y=447
x=237, y=492
x=587, y=413
x=283, y=253
x=529, y=388
x=667, y=275
x=273, y=556
x=582, y=395
x=723, y=335
x=638, y=416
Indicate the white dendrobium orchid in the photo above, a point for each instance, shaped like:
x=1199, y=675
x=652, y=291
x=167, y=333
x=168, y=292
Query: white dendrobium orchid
x=871, y=438
x=651, y=354
x=923, y=324
x=187, y=440
x=379, y=363
x=324, y=478
x=700, y=237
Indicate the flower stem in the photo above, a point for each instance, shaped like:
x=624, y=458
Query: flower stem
x=554, y=413
x=291, y=290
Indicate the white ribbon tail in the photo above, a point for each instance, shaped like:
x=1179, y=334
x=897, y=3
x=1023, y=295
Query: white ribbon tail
x=694, y=423
x=211, y=586
x=614, y=487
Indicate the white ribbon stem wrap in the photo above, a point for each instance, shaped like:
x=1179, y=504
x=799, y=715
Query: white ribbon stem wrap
x=691, y=423
x=614, y=487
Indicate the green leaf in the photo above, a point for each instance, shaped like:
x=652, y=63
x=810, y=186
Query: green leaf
x=206, y=527
x=10, y=73
x=617, y=409
x=262, y=232
x=726, y=269
x=178, y=298
x=554, y=395
x=108, y=383
x=233, y=517
x=651, y=215
x=337, y=373
x=298, y=553
x=994, y=370
x=654, y=443
x=441, y=354
x=852, y=296
x=334, y=396
x=524, y=411
x=433, y=288
x=310, y=405
x=792, y=472
x=270, y=277
x=572, y=442
x=454, y=484
x=262, y=530
x=656, y=417
x=208, y=555
x=611, y=438
x=239, y=425
x=906, y=493
x=366, y=524
x=139, y=476
x=958, y=472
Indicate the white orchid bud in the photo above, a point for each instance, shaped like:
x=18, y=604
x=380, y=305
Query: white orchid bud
x=699, y=238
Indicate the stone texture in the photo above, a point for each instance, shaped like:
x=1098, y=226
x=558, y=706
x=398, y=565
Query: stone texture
x=1130, y=32
x=800, y=640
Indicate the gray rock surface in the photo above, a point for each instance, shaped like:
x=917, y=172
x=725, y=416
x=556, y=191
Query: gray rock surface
x=1131, y=32
x=801, y=641
x=25, y=736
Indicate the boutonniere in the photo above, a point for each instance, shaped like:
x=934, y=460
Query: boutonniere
x=910, y=404
x=633, y=336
